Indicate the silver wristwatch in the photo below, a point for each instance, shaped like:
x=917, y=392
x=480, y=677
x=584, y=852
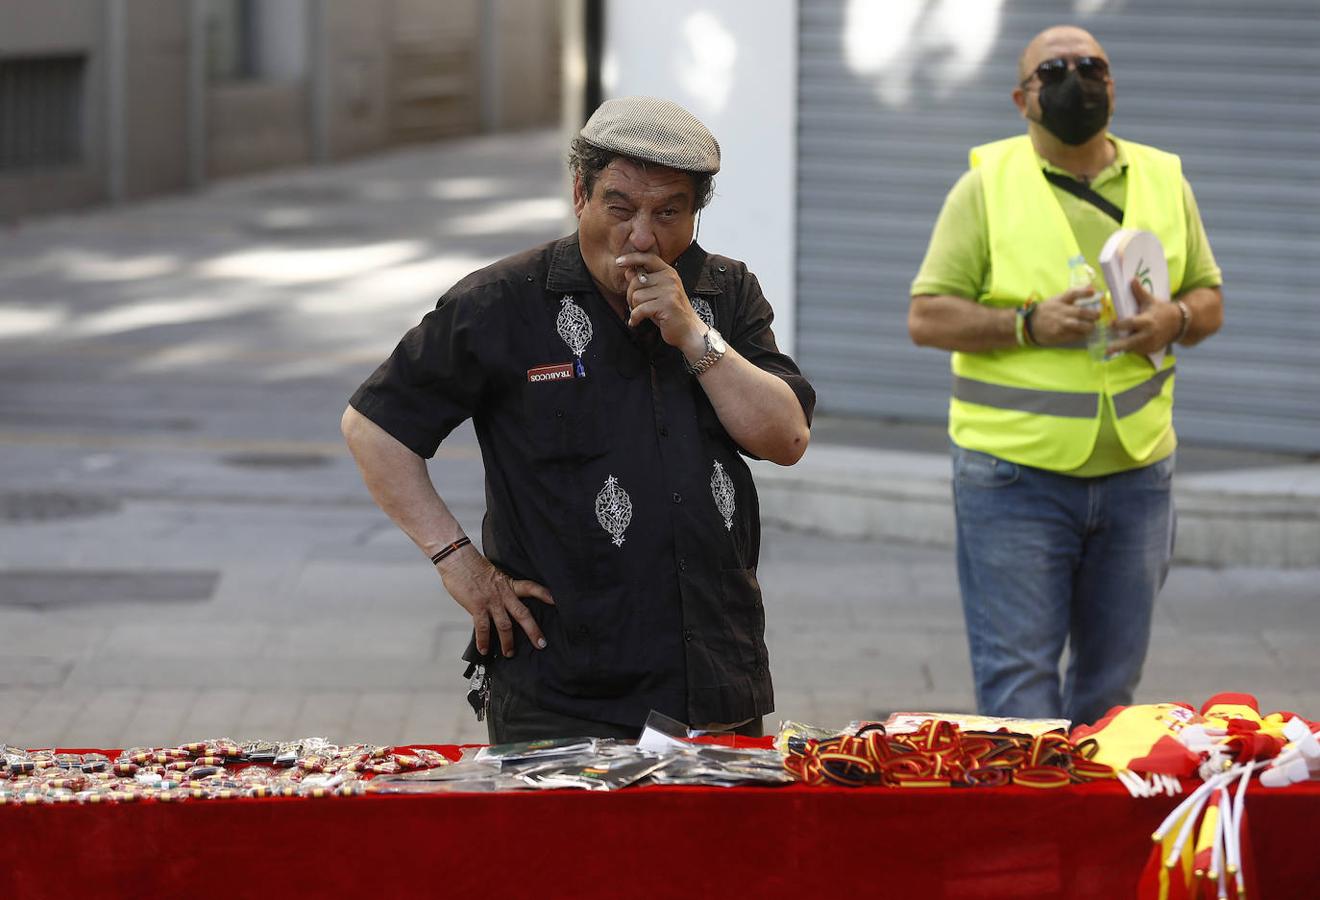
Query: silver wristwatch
x=715, y=350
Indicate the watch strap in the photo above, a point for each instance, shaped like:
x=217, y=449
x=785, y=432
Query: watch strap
x=707, y=359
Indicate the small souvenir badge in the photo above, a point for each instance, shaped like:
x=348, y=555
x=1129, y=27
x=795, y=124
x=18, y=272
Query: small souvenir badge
x=561, y=372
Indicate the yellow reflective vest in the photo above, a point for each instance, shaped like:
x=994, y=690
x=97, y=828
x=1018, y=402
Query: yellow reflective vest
x=1041, y=406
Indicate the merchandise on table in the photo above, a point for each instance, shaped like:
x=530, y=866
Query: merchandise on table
x=1176, y=739
x=1198, y=847
x=216, y=769
x=314, y=767
x=606, y=772
x=908, y=722
x=523, y=751
x=938, y=754
x=725, y=767
x=594, y=764
x=464, y=776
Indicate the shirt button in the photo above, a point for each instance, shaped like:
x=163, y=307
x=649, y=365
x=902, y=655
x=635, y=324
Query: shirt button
x=687, y=635
x=682, y=564
x=678, y=498
x=664, y=430
x=559, y=414
x=530, y=278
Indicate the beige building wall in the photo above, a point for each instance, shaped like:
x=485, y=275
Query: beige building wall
x=255, y=125
x=434, y=89
x=411, y=70
x=357, y=74
x=155, y=97
x=63, y=26
x=373, y=74
x=529, y=79
x=260, y=120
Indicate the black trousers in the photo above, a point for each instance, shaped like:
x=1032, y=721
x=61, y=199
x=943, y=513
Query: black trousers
x=513, y=718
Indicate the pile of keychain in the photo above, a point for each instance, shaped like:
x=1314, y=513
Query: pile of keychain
x=214, y=769
x=939, y=754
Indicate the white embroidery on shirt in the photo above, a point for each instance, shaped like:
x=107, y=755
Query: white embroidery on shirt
x=703, y=310
x=721, y=487
x=573, y=326
x=614, y=509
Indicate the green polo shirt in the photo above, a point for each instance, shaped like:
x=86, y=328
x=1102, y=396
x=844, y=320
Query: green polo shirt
x=957, y=263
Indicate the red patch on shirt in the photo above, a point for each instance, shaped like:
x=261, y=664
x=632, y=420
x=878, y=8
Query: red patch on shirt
x=561, y=372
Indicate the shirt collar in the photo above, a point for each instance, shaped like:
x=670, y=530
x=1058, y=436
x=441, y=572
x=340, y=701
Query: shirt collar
x=1115, y=169
x=568, y=272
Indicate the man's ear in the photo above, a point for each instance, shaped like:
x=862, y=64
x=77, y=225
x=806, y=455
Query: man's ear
x=1020, y=101
x=579, y=196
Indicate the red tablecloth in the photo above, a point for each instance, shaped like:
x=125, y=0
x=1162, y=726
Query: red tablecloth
x=1078, y=842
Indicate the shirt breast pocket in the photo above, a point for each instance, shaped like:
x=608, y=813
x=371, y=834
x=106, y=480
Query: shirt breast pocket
x=563, y=419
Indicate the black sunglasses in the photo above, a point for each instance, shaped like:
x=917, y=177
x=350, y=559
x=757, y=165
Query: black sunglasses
x=1052, y=71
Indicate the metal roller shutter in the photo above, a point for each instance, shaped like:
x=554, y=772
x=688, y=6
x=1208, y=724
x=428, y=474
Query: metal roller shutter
x=1229, y=87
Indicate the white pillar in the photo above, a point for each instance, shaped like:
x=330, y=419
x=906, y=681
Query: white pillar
x=734, y=66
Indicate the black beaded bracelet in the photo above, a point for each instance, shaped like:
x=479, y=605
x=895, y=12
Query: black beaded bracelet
x=452, y=548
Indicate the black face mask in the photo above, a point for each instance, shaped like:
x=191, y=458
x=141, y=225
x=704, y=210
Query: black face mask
x=1074, y=109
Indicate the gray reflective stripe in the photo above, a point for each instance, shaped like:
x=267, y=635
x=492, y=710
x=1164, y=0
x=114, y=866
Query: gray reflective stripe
x=1057, y=403
x=1134, y=398
x=1049, y=403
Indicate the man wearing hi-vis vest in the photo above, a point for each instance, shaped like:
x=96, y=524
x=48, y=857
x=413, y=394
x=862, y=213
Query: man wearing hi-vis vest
x=1062, y=457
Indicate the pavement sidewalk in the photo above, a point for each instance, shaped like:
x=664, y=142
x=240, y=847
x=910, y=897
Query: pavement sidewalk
x=892, y=481
x=186, y=550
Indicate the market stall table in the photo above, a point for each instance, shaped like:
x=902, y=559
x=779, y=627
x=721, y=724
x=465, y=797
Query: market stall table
x=1088, y=840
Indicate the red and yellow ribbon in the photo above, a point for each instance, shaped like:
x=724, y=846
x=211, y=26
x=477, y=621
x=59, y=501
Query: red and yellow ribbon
x=939, y=755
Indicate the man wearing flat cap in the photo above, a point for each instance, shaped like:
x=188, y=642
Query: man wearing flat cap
x=615, y=379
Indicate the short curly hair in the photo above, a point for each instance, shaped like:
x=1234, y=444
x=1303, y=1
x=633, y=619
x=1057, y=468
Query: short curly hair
x=586, y=161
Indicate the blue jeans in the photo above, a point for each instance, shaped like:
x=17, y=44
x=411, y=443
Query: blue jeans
x=1047, y=559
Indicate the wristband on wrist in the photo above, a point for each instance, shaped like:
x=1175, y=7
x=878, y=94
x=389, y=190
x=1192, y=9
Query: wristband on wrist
x=1022, y=327
x=450, y=549
x=1186, y=312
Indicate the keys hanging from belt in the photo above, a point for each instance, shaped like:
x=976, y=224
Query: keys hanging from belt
x=478, y=695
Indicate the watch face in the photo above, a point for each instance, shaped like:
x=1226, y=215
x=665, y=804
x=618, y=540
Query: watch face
x=715, y=341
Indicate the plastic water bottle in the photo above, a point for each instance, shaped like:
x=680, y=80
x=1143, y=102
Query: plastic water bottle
x=1081, y=275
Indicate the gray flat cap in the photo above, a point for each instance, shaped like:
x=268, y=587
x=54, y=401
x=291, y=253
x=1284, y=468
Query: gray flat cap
x=654, y=130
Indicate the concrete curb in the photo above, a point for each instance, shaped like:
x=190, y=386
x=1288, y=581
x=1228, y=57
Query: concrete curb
x=1262, y=517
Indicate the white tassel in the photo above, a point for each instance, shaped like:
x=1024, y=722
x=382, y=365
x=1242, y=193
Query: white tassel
x=1193, y=804
x=1235, y=836
x=1217, y=847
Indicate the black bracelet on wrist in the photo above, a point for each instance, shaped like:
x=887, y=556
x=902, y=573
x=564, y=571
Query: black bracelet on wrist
x=452, y=548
